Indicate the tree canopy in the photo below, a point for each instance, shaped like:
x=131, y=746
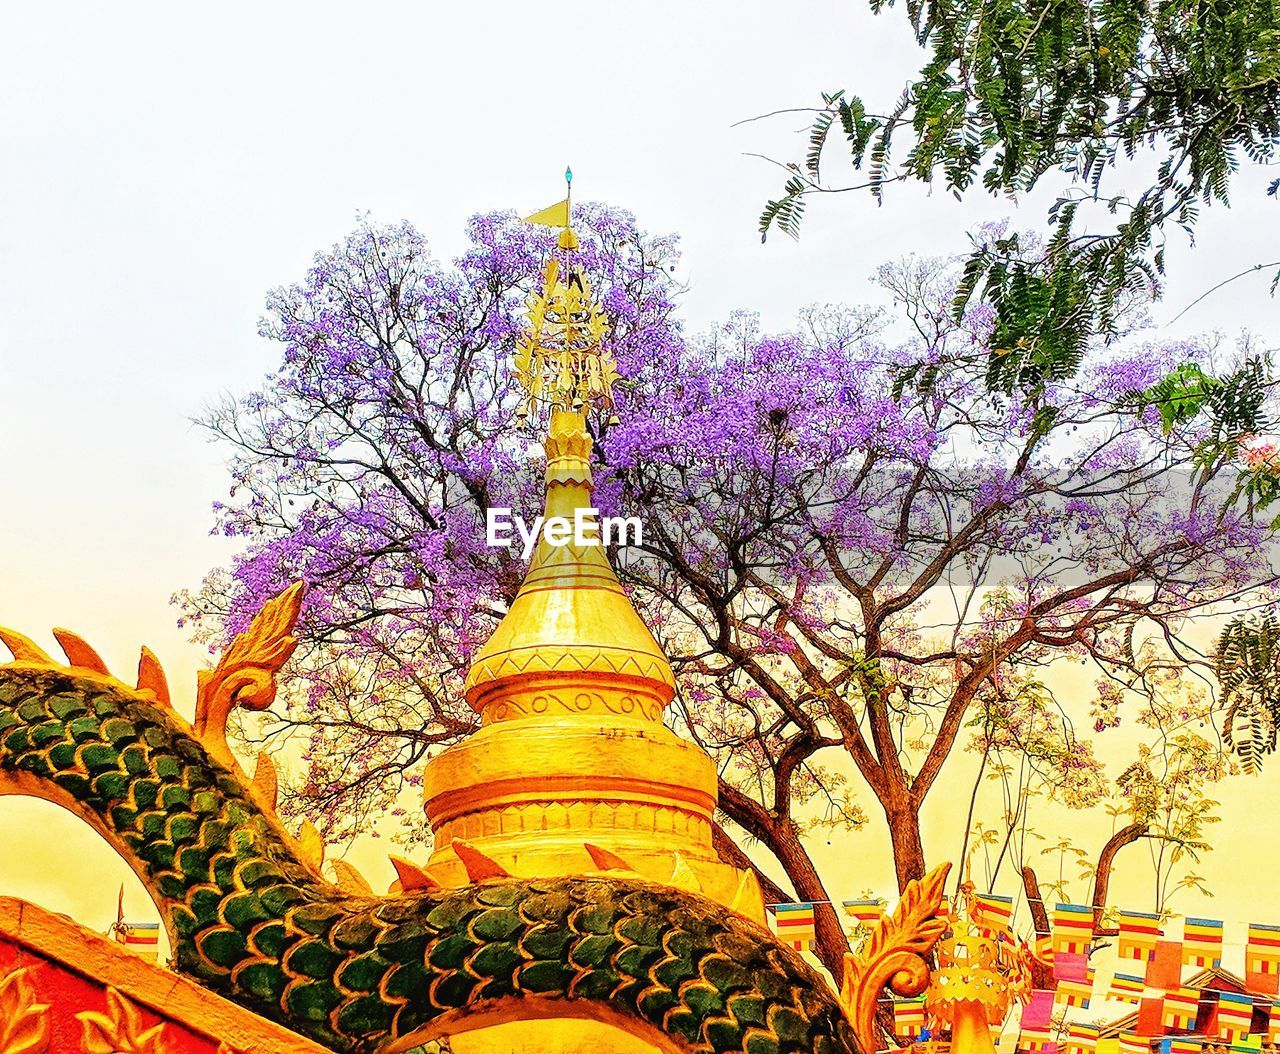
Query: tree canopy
x=1170, y=97
x=857, y=556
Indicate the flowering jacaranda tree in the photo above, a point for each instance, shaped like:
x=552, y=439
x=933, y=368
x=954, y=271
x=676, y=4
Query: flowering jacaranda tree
x=854, y=552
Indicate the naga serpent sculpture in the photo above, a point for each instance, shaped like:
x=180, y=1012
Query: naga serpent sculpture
x=250, y=915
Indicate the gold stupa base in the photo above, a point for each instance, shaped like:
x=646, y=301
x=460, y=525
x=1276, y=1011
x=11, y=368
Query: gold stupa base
x=532, y=793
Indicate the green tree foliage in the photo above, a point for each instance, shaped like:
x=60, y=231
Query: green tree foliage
x=1248, y=669
x=1014, y=89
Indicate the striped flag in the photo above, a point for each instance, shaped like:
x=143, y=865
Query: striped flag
x=1072, y=928
x=794, y=923
x=1074, y=993
x=1126, y=987
x=1081, y=1038
x=908, y=1017
x=1183, y=1045
x=1235, y=1016
x=1202, y=942
x=1262, y=952
x=1180, y=1007
x=1248, y=1045
x=1036, y=1041
x=141, y=937
x=863, y=912
x=992, y=913
x=1139, y=932
x=1132, y=1043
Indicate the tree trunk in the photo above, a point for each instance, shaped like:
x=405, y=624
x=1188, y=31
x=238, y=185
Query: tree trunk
x=904, y=835
x=1102, y=873
x=833, y=945
x=1041, y=977
x=778, y=835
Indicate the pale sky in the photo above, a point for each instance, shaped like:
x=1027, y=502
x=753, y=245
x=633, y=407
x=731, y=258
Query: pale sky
x=163, y=167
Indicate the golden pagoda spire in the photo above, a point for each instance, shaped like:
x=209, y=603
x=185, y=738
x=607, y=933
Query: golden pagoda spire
x=573, y=768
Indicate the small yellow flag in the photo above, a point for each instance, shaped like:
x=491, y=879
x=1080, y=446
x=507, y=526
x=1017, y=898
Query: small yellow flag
x=556, y=215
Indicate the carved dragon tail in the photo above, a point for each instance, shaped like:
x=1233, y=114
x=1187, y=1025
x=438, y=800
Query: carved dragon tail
x=254, y=921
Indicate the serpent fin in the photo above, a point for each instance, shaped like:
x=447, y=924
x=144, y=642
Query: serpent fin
x=310, y=845
x=151, y=676
x=411, y=875
x=79, y=652
x=24, y=649
x=479, y=865
x=747, y=898
x=683, y=876
x=350, y=880
x=607, y=861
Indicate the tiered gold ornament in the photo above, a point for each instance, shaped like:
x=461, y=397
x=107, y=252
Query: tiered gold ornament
x=573, y=769
x=976, y=981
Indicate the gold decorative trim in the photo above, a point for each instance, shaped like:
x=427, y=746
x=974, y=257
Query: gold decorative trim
x=246, y=674
x=540, y=658
x=583, y=703
x=24, y=1023
x=893, y=956
x=576, y=815
x=119, y=1030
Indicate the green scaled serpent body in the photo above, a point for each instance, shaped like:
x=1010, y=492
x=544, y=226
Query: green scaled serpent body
x=252, y=921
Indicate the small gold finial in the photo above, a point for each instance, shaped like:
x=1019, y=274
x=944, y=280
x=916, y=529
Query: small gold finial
x=560, y=359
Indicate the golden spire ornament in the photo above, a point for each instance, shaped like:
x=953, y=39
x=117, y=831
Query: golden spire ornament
x=560, y=360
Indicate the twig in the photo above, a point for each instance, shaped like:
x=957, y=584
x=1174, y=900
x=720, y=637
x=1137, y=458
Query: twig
x=1225, y=281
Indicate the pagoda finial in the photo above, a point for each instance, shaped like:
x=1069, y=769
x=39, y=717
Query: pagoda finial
x=560, y=360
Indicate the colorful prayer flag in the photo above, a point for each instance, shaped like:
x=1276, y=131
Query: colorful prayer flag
x=1072, y=928
x=1126, y=987
x=992, y=913
x=1180, y=1008
x=1139, y=932
x=1036, y=1041
x=863, y=912
x=1081, y=1038
x=1150, y=1016
x=908, y=1017
x=1234, y=1016
x=1202, y=942
x=1248, y=1045
x=1164, y=967
x=1071, y=966
x=141, y=937
x=1074, y=993
x=1132, y=1043
x=795, y=925
x=1262, y=952
x=1181, y=1045
x=1273, y=1023
x=1039, y=1009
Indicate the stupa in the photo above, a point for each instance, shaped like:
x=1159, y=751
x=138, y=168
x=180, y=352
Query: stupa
x=572, y=686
